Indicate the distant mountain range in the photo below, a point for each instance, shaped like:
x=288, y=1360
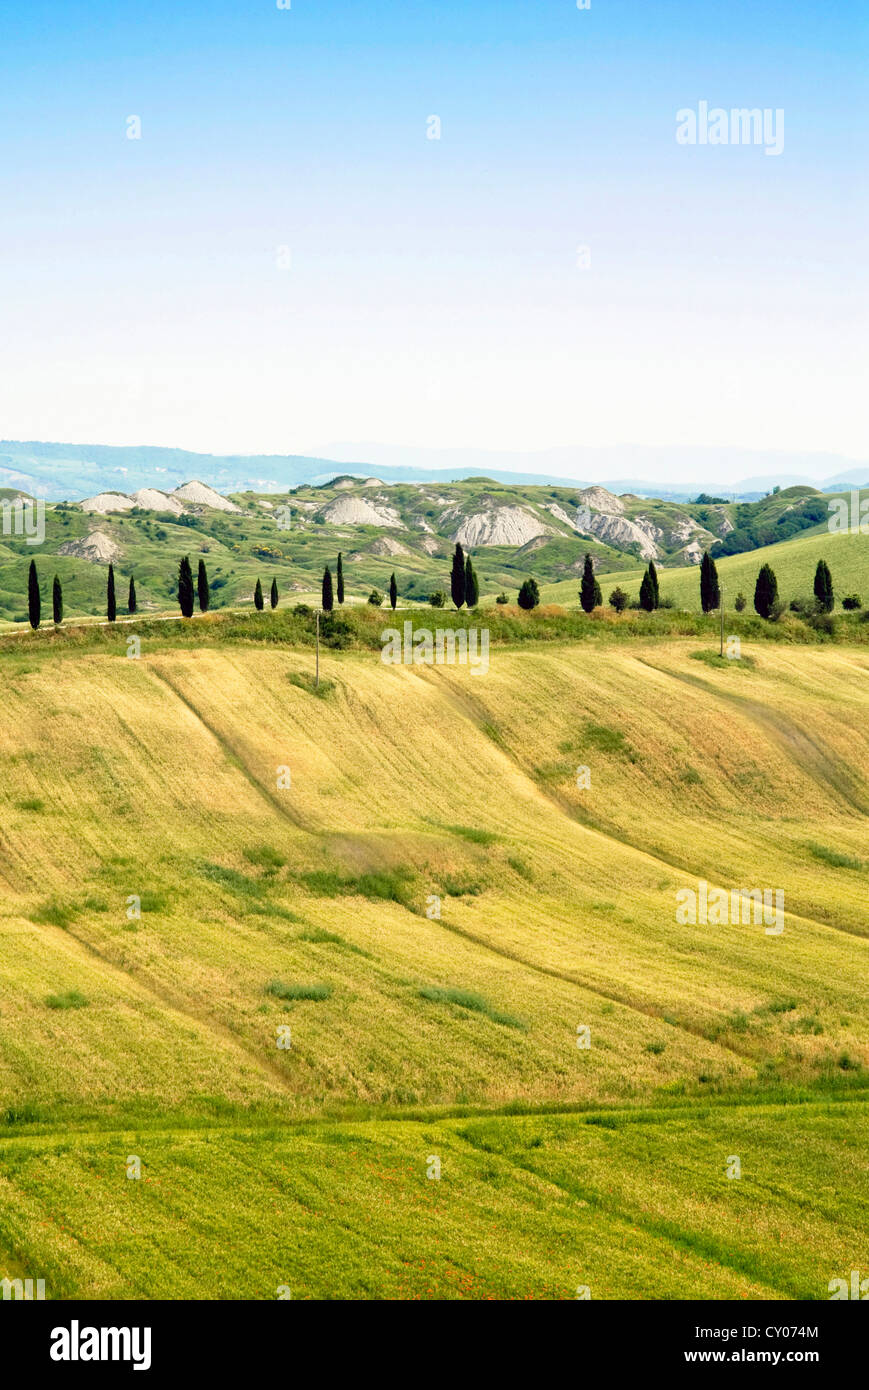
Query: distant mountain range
x=58, y=471
x=649, y=471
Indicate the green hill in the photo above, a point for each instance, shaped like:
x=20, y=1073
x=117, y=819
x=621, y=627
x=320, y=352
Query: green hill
x=411, y=529
x=794, y=563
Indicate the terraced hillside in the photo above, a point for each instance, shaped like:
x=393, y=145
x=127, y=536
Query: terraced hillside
x=298, y=954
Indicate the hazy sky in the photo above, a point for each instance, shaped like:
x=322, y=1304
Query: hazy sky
x=435, y=294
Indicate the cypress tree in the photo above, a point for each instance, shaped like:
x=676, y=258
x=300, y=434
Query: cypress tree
x=328, y=600
x=529, y=594
x=202, y=591
x=34, y=602
x=647, y=593
x=653, y=575
x=57, y=602
x=111, y=605
x=258, y=597
x=185, y=588
x=273, y=594
x=710, y=594
x=340, y=579
x=131, y=597
x=472, y=587
x=586, y=590
x=824, y=587
x=457, y=577
x=765, y=591
x=393, y=591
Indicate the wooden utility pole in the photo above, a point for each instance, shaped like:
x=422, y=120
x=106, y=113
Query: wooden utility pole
x=317, y=681
x=721, y=611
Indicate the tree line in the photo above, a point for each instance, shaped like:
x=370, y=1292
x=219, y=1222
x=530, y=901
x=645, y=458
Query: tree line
x=465, y=591
x=185, y=594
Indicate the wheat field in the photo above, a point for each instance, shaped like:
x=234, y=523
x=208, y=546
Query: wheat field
x=288, y=949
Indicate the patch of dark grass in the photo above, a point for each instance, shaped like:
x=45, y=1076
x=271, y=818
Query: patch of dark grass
x=462, y=887
x=73, y=999
x=807, y=1023
x=151, y=901
x=737, y=1022
x=302, y=680
x=605, y=739
x=474, y=1003
x=723, y=662
x=55, y=914
x=472, y=833
x=318, y=937
x=284, y=914
x=494, y=733
x=777, y=1006
x=264, y=857
x=22, y=1115
x=30, y=803
x=550, y=774
x=279, y=990
x=834, y=857
x=232, y=879
x=520, y=867
x=384, y=885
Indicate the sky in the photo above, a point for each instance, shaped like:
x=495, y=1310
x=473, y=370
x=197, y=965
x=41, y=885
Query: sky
x=285, y=258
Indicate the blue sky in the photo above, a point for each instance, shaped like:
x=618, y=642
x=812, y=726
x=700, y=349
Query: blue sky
x=434, y=294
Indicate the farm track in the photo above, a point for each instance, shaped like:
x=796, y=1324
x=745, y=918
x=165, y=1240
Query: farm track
x=595, y=1115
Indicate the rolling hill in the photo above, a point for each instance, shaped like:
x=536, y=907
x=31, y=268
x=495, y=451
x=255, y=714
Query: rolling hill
x=200, y=853
x=411, y=529
x=794, y=562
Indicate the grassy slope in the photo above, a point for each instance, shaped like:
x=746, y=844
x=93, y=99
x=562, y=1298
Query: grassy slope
x=159, y=778
x=794, y=562
x=238, y=549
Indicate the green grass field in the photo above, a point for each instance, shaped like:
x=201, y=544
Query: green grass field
x=288, y=951
x=794, y=562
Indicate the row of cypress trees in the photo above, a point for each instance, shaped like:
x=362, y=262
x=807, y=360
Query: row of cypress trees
x=34, y=598
x=329, y=592
x=765, y=589
x=464, y=588
x=203, y=593
x=765, y=592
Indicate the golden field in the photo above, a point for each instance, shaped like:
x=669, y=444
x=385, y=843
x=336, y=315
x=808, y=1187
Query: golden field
x=198, y=853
